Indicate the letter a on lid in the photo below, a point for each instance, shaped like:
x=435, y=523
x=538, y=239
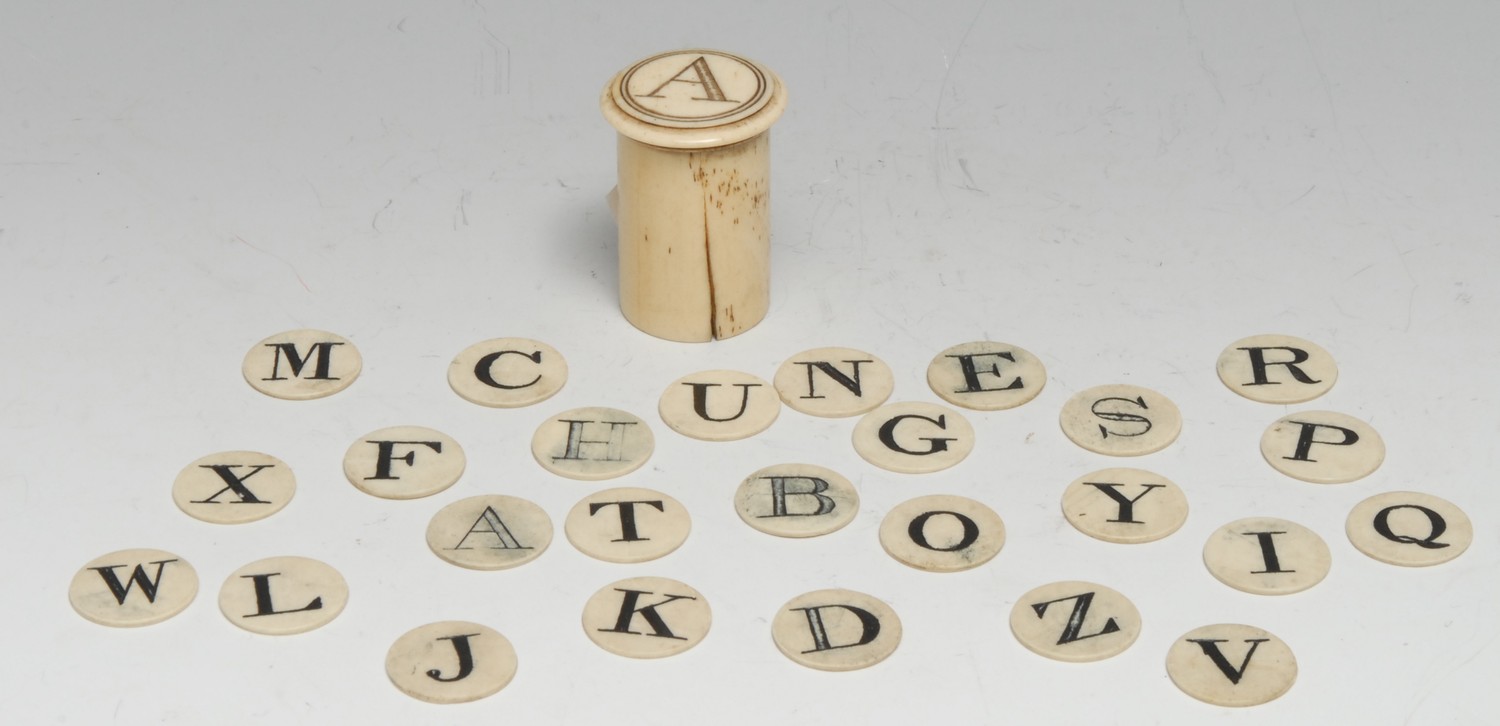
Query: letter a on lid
x=693, y=99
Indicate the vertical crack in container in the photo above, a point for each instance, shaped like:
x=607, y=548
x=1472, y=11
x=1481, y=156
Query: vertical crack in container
x=693, y=202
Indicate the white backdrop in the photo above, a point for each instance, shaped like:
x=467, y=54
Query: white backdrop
x=1121, y=188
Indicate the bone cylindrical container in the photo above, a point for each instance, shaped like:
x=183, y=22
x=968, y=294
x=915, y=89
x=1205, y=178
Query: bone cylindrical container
x=693, y=203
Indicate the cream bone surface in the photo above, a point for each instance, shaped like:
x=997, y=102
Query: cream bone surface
x=693, y=200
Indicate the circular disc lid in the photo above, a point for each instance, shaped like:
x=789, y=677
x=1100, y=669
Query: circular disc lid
x=693, y=99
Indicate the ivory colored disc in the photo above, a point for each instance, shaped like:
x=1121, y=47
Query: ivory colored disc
x=1409, y=529
x=1277, y=369
x=490, y=532
x=627, y=524
x=796, y=500
x=507, y=372
x=1267, y=556
x=592, y=443
x=299, y=365
x=986, y=376
x=131, y=588
x=1124, y=505
x=942, y=533
x=1076, y=622
x=1322, y=447
x=233, y=487
x=836, y=630
x=834, y=382
x=283, y=596
x=451, y=662
x=646, y=617
x=404, y=462
x=693, y=88
x=1121, y=420
x=1231, y=665
x=913, y=437
x=719, y=405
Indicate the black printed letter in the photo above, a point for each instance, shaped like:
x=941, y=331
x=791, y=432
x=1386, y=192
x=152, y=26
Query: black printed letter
x=296, y=361
x=612, y=446
x=1437, y=526
x=850, y=382
x=700, y=400
x=628, y=610
x=779, y=494
x=1074, y=629
x=483, y=370
x=1305, y=439
x=263, y=604
x=628, y=531
x=465, y=658
x=495, y=526
x=1127, y=506
x=1109, y=415
x=1210, y=648
x=1258, y=365
x=387, y=455
x=917, y=530
x=935, y=444
x=234, y=483
x=137, y=577
x=869, y=627
x=972, y=372
x=1267, y=552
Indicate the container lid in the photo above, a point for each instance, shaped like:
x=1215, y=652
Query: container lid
x=693, y=99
